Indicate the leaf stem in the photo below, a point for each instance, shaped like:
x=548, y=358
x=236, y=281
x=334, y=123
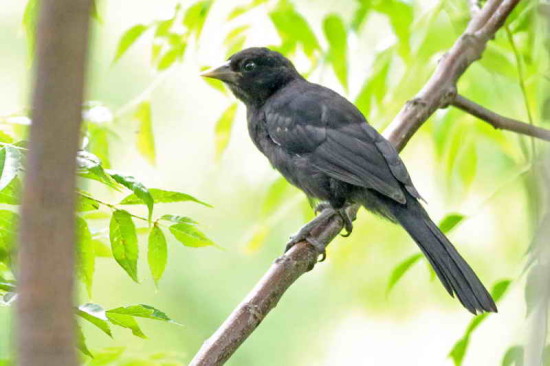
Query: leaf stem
x=110, y=205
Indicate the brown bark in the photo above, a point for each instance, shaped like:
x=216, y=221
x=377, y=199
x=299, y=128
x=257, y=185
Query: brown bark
x=498, y=121
x=438, y=92
x=45, y=322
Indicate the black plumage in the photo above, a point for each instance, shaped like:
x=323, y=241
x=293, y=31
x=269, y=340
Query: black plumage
x=322, y=144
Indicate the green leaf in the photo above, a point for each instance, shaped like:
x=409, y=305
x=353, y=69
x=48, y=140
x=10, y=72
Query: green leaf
x=99, y=143
x=223, y=129
x=460, y=347
x=190, y=236
x=8, y=228
x=10, y=164
x=178, y=219
x=238, y=11
x=128, y=39
x=124, y=244
x=336, y=34
x=459, y=351
x=101, y=249
x=498, y=60
x=513, y=356
x=145, y=137
x=11, y=194
x=500, y=289
x=95, y=12
x=293, y=29
x=195, y=16
x=81, y=342
x=276, y=194
x=360, y=14
x=168, y=59
x=449, y=222
x=86, y=255
x=234, y=41
x=89, y=166
x=125, y=321
x=467, y=163
x=141, y=311
x=85, y=203
x=5, y=137
x=7, y=287
x=401, y=17
x=140, y=191
x=29, y=23
x=95, y=314
x=162, y=196
x=157, y=254
x=400, y=270
x=107, y=356
x=257, y=238
x=376, y=84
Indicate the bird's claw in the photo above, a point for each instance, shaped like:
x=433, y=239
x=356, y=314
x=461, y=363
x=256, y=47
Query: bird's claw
x=321, y=207
x=319, y=248
x=348, y=224
x=325, y=211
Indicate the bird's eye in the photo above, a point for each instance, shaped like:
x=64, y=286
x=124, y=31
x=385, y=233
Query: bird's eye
x=249, y=66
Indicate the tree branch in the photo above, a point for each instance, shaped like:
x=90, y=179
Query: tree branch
x=45, y=320
x=438, y=92
x=498, y=121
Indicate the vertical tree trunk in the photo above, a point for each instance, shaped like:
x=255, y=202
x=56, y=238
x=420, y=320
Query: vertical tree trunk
x=45, y=324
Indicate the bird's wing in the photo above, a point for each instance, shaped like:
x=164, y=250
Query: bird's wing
x=338, y=141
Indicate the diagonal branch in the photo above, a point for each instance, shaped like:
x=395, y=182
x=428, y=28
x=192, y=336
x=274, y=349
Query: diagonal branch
x=438, y=92
x=498, y=121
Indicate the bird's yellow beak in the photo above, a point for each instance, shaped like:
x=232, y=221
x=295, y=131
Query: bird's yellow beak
x=223, y=73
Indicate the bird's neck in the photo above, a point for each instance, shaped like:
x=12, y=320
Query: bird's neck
x=255, y=99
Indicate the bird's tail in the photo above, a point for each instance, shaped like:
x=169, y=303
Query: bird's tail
x=453, y=271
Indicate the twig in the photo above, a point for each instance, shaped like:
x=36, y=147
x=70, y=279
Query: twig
x=498, y=121
x=438, y=92
x=109, y=205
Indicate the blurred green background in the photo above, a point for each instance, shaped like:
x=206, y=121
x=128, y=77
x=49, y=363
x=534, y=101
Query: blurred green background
x=341, y=313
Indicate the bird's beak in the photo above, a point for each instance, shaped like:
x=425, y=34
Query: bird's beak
x=223, y=73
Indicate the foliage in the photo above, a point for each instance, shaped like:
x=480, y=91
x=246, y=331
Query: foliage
x=123, y=226
x=397, y=69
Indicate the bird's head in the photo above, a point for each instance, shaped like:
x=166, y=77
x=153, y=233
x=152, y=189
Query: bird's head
x=254, y=74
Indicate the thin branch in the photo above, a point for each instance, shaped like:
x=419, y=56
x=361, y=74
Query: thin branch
x=109, y=205
x=439, y=91
x=498, y=121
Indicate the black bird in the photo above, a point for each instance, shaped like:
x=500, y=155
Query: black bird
x=322, y=144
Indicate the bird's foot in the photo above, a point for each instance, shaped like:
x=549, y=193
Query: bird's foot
x=322, y=206
x=319, y=248
x=304, y=234
x=348, y=223
x=325, y=212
